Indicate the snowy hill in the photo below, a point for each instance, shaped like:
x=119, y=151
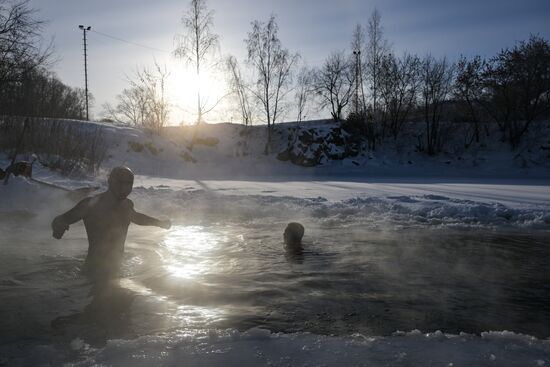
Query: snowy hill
x=313, y=148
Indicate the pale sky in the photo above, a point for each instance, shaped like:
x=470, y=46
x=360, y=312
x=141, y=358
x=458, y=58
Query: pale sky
x=312, y=28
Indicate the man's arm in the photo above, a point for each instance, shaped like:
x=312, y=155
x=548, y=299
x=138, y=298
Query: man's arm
x=61, y=223
x=144, y=220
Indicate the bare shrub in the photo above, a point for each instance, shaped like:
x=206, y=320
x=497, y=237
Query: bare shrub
x=70, y=147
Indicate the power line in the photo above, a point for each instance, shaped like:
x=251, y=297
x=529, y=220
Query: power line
x=130, y=42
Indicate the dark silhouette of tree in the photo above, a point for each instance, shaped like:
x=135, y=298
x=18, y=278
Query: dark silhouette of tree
x=144, y=103
x=23, y=55
x=399, y=83
x=273, y=65
x=334, y=83
x=469, y=90
x=377, y=47
x=239, y=89
x=519, y=82
x=197, y=45
x=40, y=93
x=303, y=92
x=436, y=80
x=21, y=44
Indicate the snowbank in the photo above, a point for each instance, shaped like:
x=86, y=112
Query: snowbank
x=197, y=203
x=230, y=151
x=340, y=204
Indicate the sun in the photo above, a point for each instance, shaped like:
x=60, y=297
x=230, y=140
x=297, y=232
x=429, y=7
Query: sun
x=184, y=85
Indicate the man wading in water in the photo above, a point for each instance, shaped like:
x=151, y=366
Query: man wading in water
x=106, y=218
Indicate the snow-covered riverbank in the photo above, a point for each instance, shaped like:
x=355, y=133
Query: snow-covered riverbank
x=390, y=246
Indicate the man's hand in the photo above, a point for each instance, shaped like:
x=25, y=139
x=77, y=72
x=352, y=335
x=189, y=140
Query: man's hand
x=59, y=227
x=166, y=224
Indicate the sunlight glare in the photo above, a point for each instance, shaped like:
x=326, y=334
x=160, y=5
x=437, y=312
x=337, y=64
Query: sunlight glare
x=182, y=88
x=197, y=316
x=190, y=250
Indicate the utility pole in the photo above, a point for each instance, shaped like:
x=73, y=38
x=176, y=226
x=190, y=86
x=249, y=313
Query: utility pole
x=84, y=30
x=357, y=54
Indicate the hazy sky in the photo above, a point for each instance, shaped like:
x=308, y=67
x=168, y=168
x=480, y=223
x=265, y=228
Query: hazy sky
x=313, y=28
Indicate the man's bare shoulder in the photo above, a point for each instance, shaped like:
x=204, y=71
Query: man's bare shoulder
x=96, y=201
x=86, y=201
x=128, y=203
x=93, y=200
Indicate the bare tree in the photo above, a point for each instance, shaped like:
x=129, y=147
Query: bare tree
x=158, y=108
x=399, y=81
x=58, y=144
x=239, y=89
x=436, y=82
x=110, y=113
x=469, y=89
x=377, y=47
x=304, y=91
x=133, y=105
x=334, y=83
x=144, y=103
x=21, y=46
x=198, y=44
x=519, y=82
x=273, y=65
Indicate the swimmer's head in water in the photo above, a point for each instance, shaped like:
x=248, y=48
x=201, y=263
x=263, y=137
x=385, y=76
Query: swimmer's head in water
x=293, y=234
x=120, y=182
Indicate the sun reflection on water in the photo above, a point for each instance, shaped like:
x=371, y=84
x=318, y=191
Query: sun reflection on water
x=190, y=251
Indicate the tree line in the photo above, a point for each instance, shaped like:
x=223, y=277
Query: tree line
x=367, y=87
x=27, y=86
x=373, y=91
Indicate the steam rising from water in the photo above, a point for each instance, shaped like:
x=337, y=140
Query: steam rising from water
x=199, y=206
x=371, y=266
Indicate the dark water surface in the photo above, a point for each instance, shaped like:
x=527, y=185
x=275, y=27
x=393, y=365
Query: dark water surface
x=349, y=280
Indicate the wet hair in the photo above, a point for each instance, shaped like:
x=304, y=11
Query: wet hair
x=293, y=233
x=120, y=181
x=120, y=171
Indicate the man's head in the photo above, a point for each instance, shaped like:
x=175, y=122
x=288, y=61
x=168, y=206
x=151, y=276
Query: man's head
x=293, y=234
x=120, y=182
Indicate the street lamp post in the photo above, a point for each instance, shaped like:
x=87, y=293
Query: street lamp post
x=357, y=54
x=84, y=30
